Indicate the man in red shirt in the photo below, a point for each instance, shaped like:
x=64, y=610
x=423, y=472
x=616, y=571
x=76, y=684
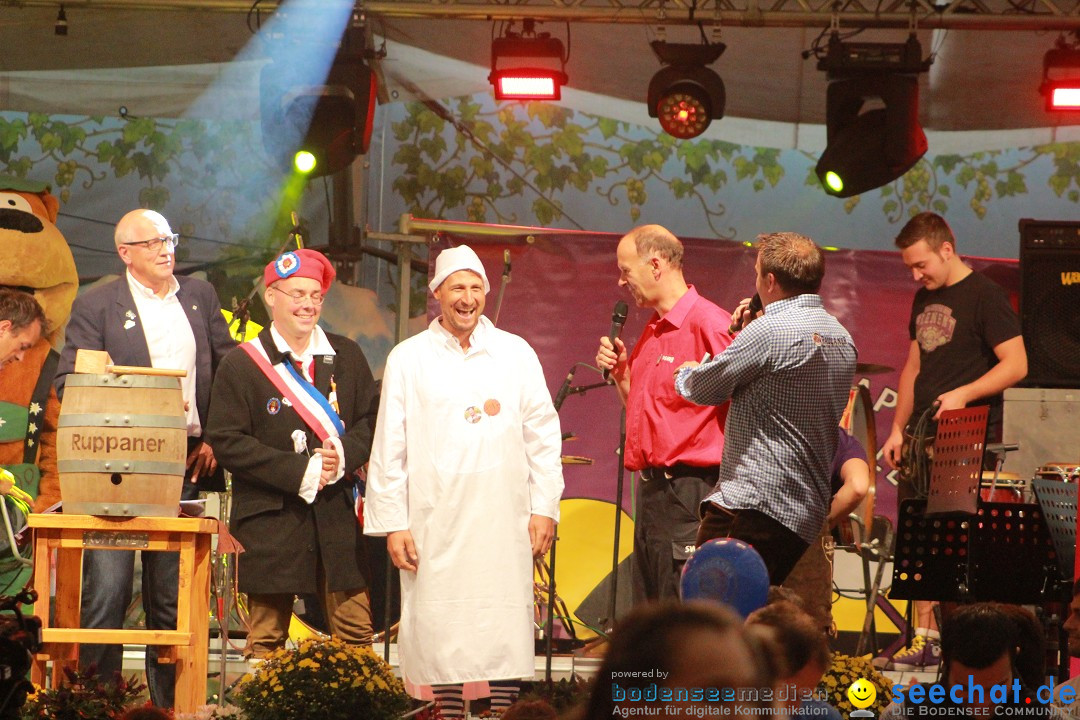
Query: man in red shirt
x=673, y=444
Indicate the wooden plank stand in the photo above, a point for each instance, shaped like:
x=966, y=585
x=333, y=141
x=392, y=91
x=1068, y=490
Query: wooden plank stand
x=69, y=536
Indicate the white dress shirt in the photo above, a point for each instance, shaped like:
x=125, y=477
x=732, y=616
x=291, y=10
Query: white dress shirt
x=169, y=339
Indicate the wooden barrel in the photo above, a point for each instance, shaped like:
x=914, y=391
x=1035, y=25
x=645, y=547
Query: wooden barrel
x=121, y=445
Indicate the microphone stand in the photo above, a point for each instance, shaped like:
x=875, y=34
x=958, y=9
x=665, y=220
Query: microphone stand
x=502, y=288
x=577, y=390
x=619, y=477
x=242, y=310
x=549, y=640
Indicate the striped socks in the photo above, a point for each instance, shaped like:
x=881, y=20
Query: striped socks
x=450, y=701
x=503, y=694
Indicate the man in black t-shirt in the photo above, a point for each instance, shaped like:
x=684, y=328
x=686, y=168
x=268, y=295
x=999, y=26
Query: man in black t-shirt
x=966, y=348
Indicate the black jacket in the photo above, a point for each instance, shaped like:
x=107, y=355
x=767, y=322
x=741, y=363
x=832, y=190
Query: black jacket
x=251, y=431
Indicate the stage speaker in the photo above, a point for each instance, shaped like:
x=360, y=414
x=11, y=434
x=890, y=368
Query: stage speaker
x=1050, y=301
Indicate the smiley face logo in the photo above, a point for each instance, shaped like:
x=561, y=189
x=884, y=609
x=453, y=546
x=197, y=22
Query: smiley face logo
x=862, y=693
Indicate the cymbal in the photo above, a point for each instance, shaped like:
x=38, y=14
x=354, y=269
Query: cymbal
x=576, y=460
x=872, y=369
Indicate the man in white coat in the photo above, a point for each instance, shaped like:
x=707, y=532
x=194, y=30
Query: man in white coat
x=464, y=482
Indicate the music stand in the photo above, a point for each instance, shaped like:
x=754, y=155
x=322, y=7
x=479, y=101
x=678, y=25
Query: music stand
x=957, y=461
x=1000, y=554
x=953, y=546
x=1057, y=495
x=1011, y=555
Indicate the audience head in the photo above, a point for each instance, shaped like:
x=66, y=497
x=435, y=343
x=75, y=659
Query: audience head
x=1030, y=658
x=778, y=593
x=683, y=646
x=1072, y=623
x=979, y=647
x=803, y=647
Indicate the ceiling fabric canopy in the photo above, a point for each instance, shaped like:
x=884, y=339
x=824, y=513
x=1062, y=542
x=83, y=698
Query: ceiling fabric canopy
x=983, y=79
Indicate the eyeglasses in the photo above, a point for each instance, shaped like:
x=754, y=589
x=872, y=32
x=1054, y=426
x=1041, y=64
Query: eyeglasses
x=298, y=297
x=154, y=244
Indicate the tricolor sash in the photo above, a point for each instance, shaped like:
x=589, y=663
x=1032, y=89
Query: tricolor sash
x=307, y=401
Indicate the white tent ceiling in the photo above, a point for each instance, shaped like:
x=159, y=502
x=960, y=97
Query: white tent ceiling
x=981, y=79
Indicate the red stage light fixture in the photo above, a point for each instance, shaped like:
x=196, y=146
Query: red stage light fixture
x=685, y=95
x=526, y=84
x=1061, y=77
x=527, y=66
x=1064, y=96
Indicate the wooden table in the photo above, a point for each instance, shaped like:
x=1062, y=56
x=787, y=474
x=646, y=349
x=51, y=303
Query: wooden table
x=69, y=536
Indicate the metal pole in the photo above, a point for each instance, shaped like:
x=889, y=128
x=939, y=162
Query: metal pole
x=408, y=224
x=548, y=641
x=404, y=253
x=341, y=196
x=619, y=478
x=225, y=588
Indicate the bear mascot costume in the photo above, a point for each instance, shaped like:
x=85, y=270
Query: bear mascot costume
x=35, y=258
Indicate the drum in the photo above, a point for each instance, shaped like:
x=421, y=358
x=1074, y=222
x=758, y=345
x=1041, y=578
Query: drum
x=1062, y=472
x=1005, y=488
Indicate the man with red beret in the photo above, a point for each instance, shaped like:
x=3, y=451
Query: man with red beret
x=291, y=416
x=148, y=318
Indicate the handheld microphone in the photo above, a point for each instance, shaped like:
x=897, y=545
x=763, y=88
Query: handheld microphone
x=753, y=308
x=560, y=397
x=618, y=319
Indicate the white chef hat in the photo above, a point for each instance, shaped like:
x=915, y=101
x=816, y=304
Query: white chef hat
x=451, y=260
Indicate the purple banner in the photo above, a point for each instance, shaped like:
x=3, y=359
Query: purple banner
x=563, y=288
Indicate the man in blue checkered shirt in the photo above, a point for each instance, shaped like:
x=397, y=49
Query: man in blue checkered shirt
x=787, y=374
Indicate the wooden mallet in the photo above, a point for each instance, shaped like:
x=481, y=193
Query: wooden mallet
x=98, y=362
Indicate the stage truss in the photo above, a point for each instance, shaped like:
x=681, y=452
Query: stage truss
x=957, y=14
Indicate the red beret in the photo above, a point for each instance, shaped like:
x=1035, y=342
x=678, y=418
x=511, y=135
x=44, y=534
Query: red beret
x=300, y=263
